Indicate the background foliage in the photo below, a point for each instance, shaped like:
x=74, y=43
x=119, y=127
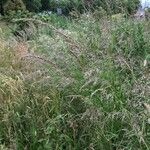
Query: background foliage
x=110, y=6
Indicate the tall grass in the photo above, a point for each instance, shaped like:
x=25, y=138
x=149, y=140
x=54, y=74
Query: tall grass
x=79, y=87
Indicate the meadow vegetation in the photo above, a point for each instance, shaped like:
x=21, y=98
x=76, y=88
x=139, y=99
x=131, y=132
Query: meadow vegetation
x=74, y=83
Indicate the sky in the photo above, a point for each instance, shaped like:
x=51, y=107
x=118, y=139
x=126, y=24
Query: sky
x=145, y=3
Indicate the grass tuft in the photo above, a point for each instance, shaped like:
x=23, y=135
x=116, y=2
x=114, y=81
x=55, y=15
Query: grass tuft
x=77, y=84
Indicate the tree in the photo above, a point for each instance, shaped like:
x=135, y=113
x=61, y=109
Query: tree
x=2, y=2
x=1, y=8
x=110, y=6
x=118, y=6
x=45, y=4
x=13, y=5
x=33, y=5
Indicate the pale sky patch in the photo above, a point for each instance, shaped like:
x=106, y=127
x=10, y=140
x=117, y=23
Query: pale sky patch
x=145, y=3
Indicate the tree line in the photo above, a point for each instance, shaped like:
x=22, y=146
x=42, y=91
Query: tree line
x=110, y=6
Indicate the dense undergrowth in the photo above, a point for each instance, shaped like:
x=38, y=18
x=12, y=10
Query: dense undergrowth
x=75, y=84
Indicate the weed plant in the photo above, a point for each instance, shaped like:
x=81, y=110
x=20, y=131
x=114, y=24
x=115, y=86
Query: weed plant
x=76, y=85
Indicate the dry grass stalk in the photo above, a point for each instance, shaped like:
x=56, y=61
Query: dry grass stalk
x=21, y=50
x=74, y=45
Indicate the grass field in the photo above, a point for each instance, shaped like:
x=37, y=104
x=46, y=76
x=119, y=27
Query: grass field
x=81, y=84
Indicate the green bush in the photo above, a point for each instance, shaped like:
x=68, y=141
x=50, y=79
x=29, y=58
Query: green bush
x=14, y=6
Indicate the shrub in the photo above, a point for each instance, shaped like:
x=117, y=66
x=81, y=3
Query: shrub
x=14, y=6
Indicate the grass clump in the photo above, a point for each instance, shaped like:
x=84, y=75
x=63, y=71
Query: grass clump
x=79, y=87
